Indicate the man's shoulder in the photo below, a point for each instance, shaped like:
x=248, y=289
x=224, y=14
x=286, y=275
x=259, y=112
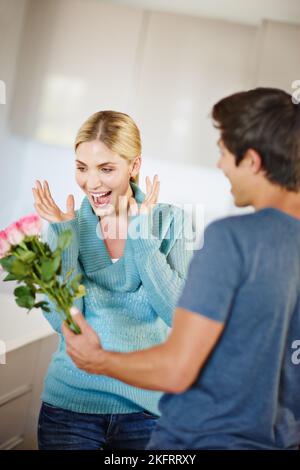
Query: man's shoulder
x=232, y=232
x=242, y=232
x=235, y=223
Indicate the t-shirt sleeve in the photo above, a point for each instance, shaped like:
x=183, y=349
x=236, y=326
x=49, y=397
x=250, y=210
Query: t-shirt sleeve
x=214, y=274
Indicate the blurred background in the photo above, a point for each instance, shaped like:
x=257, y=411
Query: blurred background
x=165, y=63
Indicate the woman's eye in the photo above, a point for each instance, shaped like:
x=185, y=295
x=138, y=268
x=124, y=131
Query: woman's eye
x=104, y=170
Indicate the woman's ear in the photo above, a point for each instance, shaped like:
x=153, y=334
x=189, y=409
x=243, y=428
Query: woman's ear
x=136, y=165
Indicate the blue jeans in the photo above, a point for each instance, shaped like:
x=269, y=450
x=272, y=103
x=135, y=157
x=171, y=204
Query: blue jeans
x=60, y=429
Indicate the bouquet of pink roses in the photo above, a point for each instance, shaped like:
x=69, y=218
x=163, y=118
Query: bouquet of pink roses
x=29, y=260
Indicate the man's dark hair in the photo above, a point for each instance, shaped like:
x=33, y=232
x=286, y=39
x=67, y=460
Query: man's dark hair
x=265, y=120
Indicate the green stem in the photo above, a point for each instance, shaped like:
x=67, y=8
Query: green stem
x=39, y=246
x=60, y=303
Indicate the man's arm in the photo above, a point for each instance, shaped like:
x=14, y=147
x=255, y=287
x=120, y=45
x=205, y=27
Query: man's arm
x=174, y=365
x=170, y=367
x=215, y=274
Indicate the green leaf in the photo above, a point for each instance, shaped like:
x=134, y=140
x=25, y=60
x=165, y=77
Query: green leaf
x=23, y=291
x=6, y=262
x=64, y=239
x=22, y=244
x=56, y=262
x=28, y=256
x=9, y=277
x=48, y=269
x=26, y=301
x=19, y=269
x=19, y=250
x=56, y=255
x=44, y=305
x=25, y=296
x=46, y=309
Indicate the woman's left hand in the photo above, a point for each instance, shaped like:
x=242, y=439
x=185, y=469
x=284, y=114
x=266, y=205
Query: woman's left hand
x=150, y=198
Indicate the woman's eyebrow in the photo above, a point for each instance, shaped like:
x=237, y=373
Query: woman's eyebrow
x=101, y=164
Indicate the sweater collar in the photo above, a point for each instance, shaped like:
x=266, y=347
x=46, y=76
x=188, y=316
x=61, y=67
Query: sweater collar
x=93, y=252
x=139, y=196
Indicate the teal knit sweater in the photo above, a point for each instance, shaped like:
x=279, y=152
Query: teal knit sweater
x=129, y=303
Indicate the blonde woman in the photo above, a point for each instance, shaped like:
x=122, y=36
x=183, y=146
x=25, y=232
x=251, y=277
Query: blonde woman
x=132, y=284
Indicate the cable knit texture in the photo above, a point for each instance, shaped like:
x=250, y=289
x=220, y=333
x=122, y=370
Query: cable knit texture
x=129, y=303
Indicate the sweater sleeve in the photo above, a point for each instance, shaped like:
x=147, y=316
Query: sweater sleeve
x=163, y=272
x=70, y=259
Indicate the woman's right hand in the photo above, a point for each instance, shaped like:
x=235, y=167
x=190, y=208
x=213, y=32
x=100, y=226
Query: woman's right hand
x=46, y=207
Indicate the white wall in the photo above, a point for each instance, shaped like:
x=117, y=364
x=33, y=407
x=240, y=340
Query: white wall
x=12, y=147
x=75, y=57
x=251, y=13
x=166, y=70
x=278, y=63
x=186, y=66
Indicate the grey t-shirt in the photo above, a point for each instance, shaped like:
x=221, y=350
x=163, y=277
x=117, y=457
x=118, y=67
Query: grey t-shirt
x=247, y=396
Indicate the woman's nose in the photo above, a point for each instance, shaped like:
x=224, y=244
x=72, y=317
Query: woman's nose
x=94, y=181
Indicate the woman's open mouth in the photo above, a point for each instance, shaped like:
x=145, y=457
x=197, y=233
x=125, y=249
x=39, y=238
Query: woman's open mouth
x=100, y=199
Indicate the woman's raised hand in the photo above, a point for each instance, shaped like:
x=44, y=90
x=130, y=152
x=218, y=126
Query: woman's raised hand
x=46, y=207
x=152, y=191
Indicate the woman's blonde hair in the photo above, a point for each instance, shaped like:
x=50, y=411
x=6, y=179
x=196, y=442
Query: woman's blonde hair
x=116, y=130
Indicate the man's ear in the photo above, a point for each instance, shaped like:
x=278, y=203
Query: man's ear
x=135, y=169
x=253, y=159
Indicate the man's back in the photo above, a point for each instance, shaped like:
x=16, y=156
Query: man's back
x=247, y=275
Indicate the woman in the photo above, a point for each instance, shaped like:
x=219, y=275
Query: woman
x=132, y=284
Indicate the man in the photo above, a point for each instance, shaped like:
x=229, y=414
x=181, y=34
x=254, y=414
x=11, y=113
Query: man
x=227, y=363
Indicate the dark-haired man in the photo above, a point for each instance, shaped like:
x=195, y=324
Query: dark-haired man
x=228, y=363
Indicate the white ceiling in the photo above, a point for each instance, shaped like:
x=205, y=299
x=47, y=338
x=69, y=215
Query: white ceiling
x=241, y=11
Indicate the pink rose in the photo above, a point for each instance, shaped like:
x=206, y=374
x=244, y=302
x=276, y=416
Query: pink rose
x=30, y=224
x=14, y=234
x=4, y=244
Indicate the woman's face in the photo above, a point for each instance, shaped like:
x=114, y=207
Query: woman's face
x=103, y=175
